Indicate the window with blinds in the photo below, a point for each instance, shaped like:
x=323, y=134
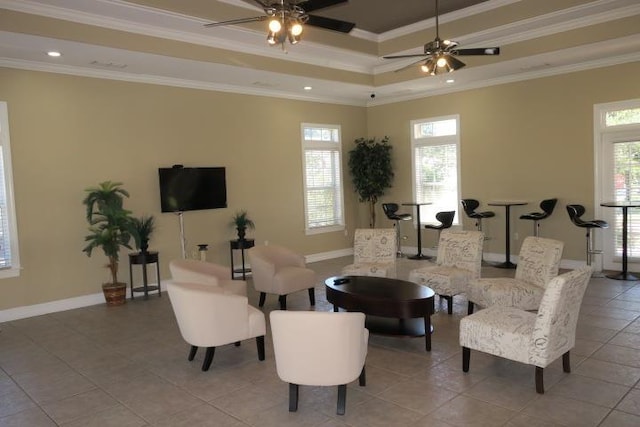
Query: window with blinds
x=436, y=165
x=323, y=194
x=9, y=255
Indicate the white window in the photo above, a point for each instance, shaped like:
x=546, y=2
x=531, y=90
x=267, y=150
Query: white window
x=617, y=145
x=322, y=171
x=9, y=256
x=436, y=165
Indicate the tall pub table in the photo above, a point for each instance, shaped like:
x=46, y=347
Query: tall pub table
x=143, y=259
x=419, y=255
x=240, y=245
x=507, y=234
x=624, y=275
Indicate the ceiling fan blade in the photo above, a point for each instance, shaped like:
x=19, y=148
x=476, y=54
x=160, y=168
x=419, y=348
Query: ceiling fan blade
x=262, y=4
x=236, y=21
x=311, y=5
x=330, y=23
x=478, y=51
x=415, y=55
x=409, y=66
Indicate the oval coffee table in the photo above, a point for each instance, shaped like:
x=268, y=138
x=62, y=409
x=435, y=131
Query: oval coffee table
x=392, y=306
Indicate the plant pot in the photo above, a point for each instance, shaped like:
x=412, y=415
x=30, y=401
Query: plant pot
x=115, y=293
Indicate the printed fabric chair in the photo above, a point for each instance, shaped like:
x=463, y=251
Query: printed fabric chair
x=374, y=253
x=319, y=349
x=538, y=263
x=209, y=317
x=278, y=270
x=206, y=273
x=526, y=337
x=459, y=261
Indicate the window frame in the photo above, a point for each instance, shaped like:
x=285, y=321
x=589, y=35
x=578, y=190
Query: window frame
x=335, y=146
x=427, y=212
x=12, y=225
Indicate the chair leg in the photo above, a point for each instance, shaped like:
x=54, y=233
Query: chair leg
x=208, y=358
x=283, y=302
x=449, y=299
x=466, y=355
x=312, y=296
x=192, y=352
x=262, y=298
x=237, y=343
x=260, y=345
x=362, y=379
x=566, y=362
x=293, y=397
x=536, y=228
x=470, y=308
x=539, y=380
x=342, y=399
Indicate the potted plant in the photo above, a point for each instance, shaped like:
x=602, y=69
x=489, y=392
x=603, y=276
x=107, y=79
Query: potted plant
x=241, y=222
x=109, y=225
x=141, y=229
x=371, y=171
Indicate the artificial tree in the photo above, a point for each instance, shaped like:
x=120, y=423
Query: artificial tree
x=371, y=171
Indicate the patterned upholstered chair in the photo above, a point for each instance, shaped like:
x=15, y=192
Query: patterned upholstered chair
x=206, y=273
x=374, y=253
x=279, y=270
x=459, y=260
x=208, y=316
x=319, y=349
x=532, y=338
x=538, y=263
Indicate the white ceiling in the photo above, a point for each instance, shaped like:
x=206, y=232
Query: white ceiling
x=337, y=72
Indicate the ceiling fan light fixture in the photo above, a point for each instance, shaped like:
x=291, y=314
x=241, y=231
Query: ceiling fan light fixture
x=295, y=29
x=274, y=25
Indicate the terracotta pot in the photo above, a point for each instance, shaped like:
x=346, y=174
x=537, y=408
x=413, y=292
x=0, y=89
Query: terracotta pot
x=115, y=294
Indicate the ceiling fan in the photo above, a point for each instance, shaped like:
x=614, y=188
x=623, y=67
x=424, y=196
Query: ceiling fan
x=440, y=55
x=286, y=19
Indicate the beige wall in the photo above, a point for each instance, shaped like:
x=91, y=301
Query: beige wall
x=529, y=140
x=68, y=133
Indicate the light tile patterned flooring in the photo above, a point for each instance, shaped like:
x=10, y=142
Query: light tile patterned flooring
x=127, y=366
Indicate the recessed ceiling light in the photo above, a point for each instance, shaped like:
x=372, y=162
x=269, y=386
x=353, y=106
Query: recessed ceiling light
x=308, y=88
x=54, y=53
x=450, y=80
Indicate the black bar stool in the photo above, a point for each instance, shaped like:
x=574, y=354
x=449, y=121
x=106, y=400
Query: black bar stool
x=446, y=220
x=470, y=206
x=575, y=212
x=547, y=207
x=391, y=211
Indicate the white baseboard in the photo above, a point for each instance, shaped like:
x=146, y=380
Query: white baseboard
x=95, y=299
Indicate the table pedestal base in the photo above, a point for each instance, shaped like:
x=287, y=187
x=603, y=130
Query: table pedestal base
x=420, y=256
x=622, y=276
x=506, y=264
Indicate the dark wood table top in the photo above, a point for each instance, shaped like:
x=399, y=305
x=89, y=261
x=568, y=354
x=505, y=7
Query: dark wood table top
x=380, y=296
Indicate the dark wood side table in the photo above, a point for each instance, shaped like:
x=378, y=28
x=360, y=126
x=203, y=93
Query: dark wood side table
x=240, y=245
x=143, y=259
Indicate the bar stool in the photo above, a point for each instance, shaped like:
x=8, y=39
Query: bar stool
x=391, y=211
x=446, y=220
x=547, y=207
x=575, y=212
x=470, y=206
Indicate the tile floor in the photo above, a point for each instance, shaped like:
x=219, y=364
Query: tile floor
x=127, y=366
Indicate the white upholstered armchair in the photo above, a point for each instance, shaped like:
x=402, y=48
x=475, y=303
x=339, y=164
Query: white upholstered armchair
x=538, y=263
x=532, y=338
x=209, y=316
x=206, y=273
x=278, y=270
x=374, y=253
x=321, y=349
x=459, y=261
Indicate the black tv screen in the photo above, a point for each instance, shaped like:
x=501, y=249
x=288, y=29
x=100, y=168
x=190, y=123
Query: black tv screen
x=189, y=189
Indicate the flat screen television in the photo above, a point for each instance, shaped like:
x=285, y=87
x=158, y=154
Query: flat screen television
x=189, y=189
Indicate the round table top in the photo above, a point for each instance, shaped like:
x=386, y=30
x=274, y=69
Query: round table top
x=416, y=203
x=508, y=203
x=624, y=204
